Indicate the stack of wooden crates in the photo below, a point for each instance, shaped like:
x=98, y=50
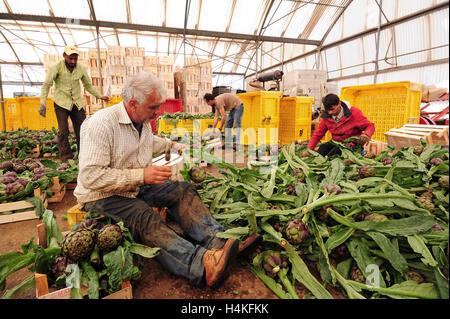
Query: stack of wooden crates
x=119, y=63
x=198, y=81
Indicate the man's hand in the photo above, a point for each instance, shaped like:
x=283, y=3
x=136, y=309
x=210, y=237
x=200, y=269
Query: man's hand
x=156, y=174
x=42, y=110
x=364, y=139
x=179, y=147
x=105, y=98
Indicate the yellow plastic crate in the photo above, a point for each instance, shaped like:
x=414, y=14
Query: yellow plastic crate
x=387, y=105
x=113, y=101
x=29, y=110
x=261, y=117
x=75, y=215
x=13, y=115
x=295, y=119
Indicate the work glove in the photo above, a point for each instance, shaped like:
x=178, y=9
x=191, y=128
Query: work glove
x=364, y=139
x=42, y=110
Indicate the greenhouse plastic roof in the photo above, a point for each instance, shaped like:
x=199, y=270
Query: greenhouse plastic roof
x=240, y=36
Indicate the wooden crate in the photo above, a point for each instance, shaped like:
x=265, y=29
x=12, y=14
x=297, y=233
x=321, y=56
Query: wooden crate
x=59, y=190
x=399, y=140
x=437, y=133
x=43, y=292
x=29, y=214
x=34, y=153
x=376, y=147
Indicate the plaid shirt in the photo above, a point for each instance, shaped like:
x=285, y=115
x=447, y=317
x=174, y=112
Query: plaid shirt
x=67, y=85
x=112, y=155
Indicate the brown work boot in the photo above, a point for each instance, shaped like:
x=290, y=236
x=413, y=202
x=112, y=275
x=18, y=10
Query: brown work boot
x=249, y=243
x=216, y=262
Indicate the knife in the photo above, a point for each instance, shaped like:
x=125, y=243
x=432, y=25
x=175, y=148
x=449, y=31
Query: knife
x=167, y=151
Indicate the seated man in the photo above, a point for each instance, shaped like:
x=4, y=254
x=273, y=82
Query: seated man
x=116, y=179
x=343, y=121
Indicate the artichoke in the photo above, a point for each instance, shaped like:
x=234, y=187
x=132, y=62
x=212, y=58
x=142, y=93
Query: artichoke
x=7, y=179
x=63, y=166
x=78, y=244
x=387, y=161
x=90, y=224
x=369, y=155
x=299, y=175
x=367, y=171
x=426, y=202
x=32, y=166
x=414, y=275
x=323, y=215
x=296, y=231
x=428, y=193
x=19, y=168
x=197, y=174
x=306, y=153
x=356, y=274
x=13, y=188
x=291, y=190
x=273, y=262
x=436, y=161
x=59, y=266
x=6, y=165
x=340, y=252
x=332, y=188
x=348, y=162
x=443, y=182
x=109, y=237
x=23, y=182
x=28, y=161
x=37, y=176
x=418, y=149
x=374, y=217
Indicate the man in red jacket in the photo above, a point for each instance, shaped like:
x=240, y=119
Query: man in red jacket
x=343, y=121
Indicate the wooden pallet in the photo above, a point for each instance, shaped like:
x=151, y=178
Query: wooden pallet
x=437, y=133
x=412, y=134
x=29, y=214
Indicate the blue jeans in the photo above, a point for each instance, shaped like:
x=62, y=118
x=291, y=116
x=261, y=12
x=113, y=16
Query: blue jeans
x=178, y=255
x=234, y=120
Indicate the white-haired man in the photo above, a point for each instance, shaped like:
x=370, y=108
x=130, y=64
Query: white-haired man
x=116, y=179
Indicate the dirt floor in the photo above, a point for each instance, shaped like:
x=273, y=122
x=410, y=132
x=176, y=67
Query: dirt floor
x=155, y=282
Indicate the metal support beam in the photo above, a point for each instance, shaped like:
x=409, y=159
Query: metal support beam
x=377, y=45
x=2, y=100
x=27, y=83
x=395, y=69
x=21, y=63
x=415, y=15
x=143, y=27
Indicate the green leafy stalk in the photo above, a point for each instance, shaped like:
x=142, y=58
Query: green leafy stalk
x=269, y=282
x=282, y=274
x=408, y=289
x=24, y=286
